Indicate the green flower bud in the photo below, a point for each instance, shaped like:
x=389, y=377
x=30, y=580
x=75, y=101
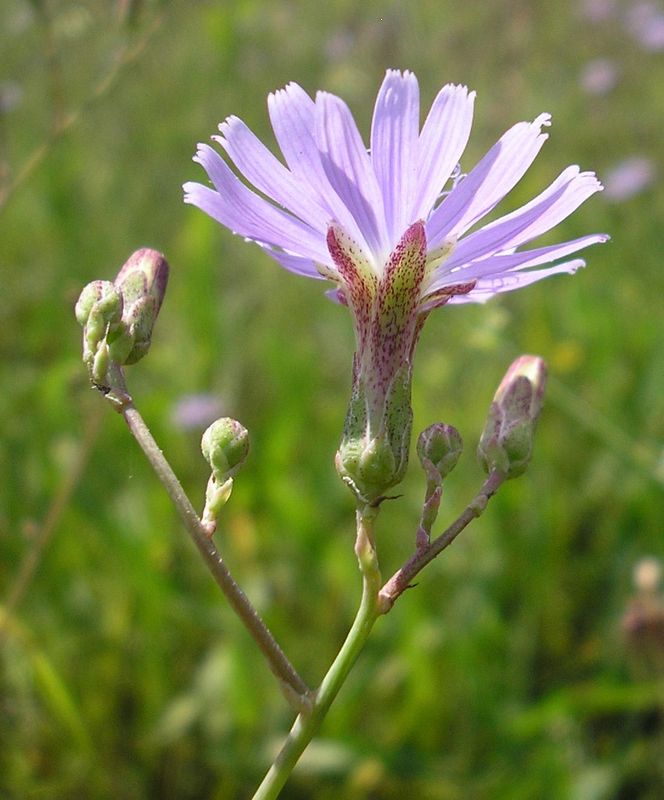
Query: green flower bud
x=439, y=447
x=118, y=318
x=99, y=364
x=142, y=282
x=225, y=446
x=99, y=310
x=507, y=441
x=90, y=295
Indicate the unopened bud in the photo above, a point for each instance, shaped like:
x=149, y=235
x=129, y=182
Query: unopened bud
x=517, y=400
x=225, y=446
x=99, y=311
x=118, y=318
x=142, y=282
x=507, y=441
x=439, y=447
x=92, y=294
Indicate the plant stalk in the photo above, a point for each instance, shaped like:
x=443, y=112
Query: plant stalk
x=309, y=721
x=295, y=689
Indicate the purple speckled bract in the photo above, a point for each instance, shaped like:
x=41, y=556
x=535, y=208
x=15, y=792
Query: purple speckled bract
x=395, y=226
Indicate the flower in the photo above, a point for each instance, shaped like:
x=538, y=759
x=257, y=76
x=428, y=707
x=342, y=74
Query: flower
x=196, y=411
x=629, y=177
x=599, y=76
x=380, y=225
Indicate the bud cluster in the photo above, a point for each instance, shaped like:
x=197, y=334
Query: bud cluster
x=118, y=318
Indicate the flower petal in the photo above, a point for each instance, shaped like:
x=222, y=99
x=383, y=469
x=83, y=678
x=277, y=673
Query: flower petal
x=293, y=117
x=349, y=171
x=495, y=175
x=247, y=214
x=442, y=142
x=506, y=263
x=262, y=169
x=554, y=204
x=295, y=264
x=486, y=289
x=394, y=148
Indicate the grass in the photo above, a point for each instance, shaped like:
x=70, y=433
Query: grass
x=505, y=673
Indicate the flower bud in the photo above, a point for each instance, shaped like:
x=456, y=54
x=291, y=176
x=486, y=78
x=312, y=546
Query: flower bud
x=225, y=446
x=118, y=318
x=507, y=440
x=523, y=402
x=99, y=310
x=90, y=295
x=439, y=447
x=142, y=282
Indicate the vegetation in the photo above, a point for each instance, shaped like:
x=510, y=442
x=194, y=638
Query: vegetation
x=507, y=672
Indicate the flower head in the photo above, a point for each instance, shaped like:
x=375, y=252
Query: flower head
x=381, y=224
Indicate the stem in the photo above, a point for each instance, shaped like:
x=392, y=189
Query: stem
x=401, y=580
x=309, y=721
x=294, y=687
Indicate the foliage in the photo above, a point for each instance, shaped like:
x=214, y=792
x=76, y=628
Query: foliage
x=504, y=674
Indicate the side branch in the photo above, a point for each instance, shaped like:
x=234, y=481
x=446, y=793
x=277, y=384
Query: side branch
x=401, y=580
x=295, y=689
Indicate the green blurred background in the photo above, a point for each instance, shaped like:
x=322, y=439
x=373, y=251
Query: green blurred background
x=508, y=672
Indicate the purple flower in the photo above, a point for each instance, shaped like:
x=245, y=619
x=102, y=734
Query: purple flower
x=381, y=224
x=628, y=178
x=599, y=76
x=196, y=411
x=645, y=21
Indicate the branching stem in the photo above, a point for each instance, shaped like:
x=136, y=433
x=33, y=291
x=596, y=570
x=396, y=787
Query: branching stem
x=308, y=722
x=401, y=579
x=292, y=684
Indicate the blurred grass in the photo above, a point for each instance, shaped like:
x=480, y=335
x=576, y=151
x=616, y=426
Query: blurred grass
x=503, y=675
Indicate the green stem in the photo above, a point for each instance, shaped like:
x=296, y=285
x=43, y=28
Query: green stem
x=296, y=690
x=308, y=722
x=402, y=578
